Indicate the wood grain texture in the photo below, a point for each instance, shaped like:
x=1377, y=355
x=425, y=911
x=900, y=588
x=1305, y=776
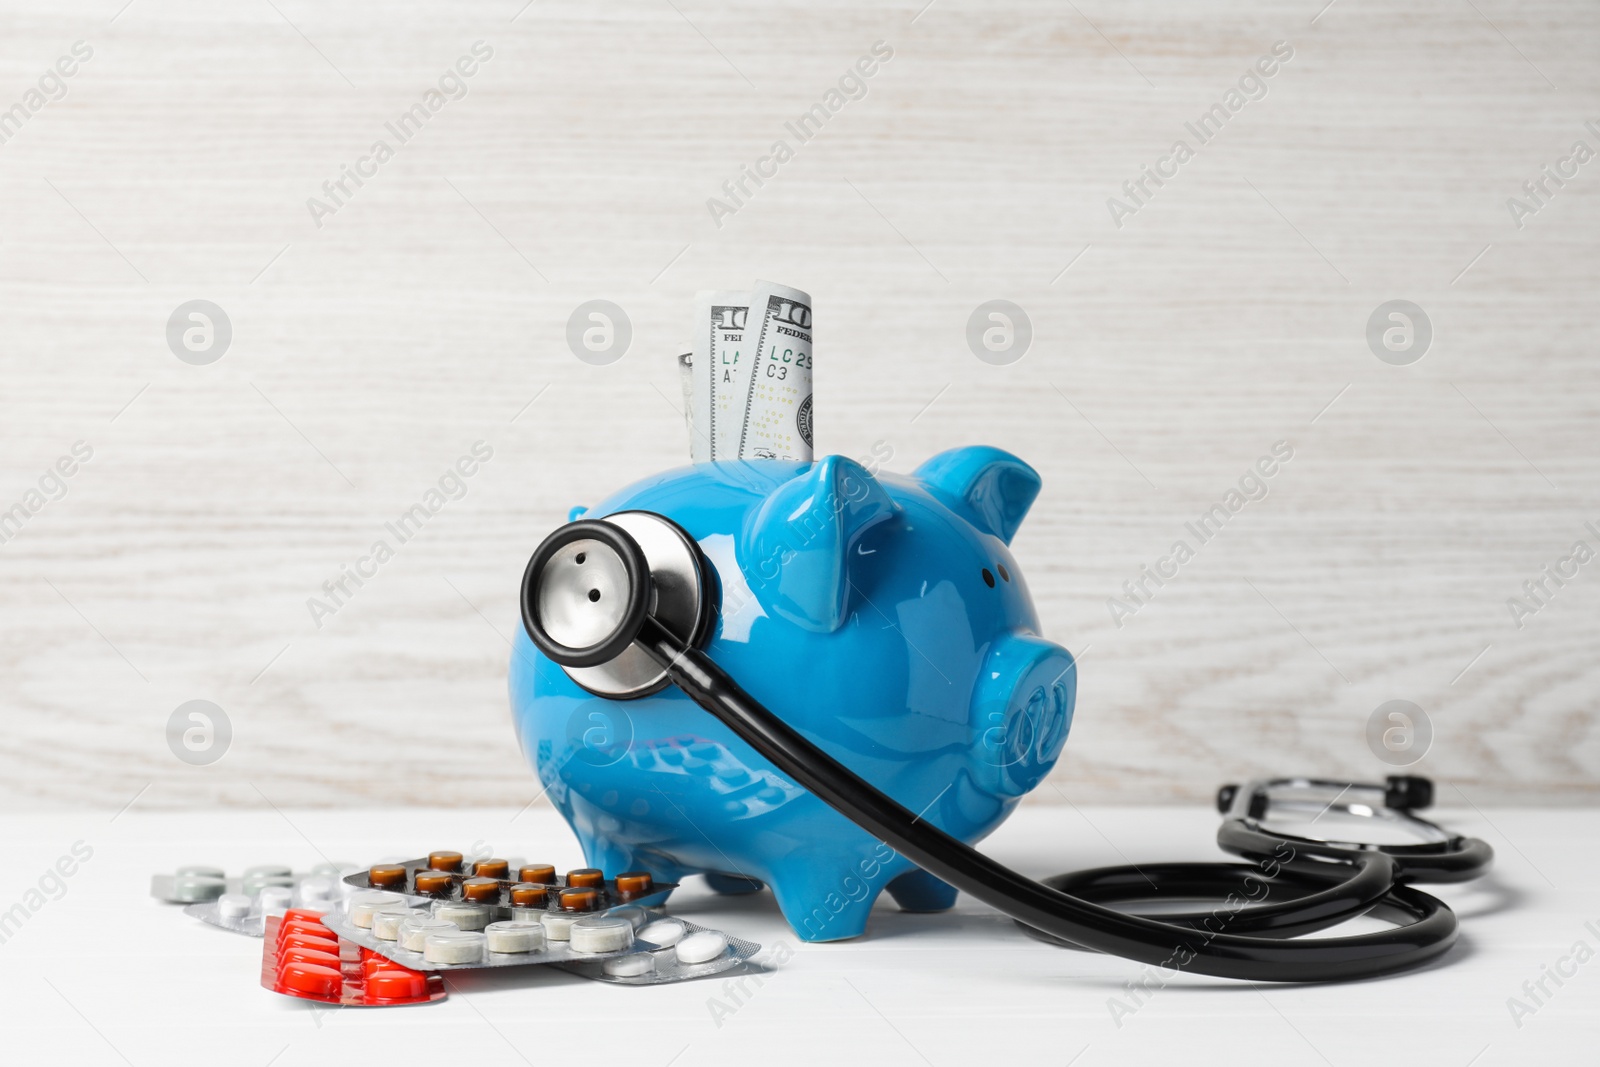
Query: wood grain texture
x=368, y=353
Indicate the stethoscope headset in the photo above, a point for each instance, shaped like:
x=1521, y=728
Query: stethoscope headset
x=1247, y=936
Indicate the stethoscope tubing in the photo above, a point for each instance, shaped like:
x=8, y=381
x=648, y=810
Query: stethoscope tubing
x=1247, y=936
x=1454, y=859
x=1430, y=932
x=1240, y=908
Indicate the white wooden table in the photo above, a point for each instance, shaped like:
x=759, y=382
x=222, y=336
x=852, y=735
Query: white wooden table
x=105, y=975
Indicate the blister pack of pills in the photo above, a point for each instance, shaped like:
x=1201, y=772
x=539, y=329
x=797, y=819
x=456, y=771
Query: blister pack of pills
x=444, y=876
x=461, y=935
x=301, y=957
x=681, y=950
x=198, y=883
x=245, y=913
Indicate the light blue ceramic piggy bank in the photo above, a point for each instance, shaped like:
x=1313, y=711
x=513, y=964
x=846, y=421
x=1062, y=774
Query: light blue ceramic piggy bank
x=881, y=615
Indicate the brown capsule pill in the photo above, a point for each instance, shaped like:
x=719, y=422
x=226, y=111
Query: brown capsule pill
x=386, y=875
x=492, y=869
x=433, y=882
x=530, y=896
x=586, y=878
x=444, y=861
x=480, y=889
x=579, y=900
x=537, y=872
x=635, y=883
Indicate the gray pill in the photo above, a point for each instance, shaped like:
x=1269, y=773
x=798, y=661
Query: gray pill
x=200, y=870
x=196, y=887
x=268, y=870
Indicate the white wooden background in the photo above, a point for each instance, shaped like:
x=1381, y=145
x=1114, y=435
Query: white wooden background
x=368, y=354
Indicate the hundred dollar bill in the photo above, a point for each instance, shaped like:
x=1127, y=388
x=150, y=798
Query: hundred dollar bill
x=777, y=409
x=719, y=365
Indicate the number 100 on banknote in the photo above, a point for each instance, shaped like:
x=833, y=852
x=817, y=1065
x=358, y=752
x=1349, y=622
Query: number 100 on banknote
x=777, y=421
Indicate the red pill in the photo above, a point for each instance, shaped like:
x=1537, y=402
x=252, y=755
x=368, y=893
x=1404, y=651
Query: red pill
x=316, y=944
x=395, y=985
x=305, y=929
x=307, y=955
x=303, y=915
x=311, y=978
x=586, y=878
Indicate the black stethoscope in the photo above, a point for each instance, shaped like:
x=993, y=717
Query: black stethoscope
x=1246, y=935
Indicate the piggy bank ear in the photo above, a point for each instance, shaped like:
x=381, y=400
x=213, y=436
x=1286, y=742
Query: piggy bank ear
x=804, y=539
x=989, y=488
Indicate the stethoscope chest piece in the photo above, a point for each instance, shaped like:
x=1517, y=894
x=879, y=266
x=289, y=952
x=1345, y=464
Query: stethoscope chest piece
x=583, y=594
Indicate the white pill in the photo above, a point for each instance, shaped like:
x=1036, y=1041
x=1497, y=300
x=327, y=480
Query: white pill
x=254, y=886
x=527, y=915
x=466, y=916
x=514, y=937
x=462, y=946
x=631, y=966
x=602, y=933
x=372, y=896
x=414, y=931
x=663, y=932
x=635, y=915
x=558, y=927
x=274, y=900
x=702, y=947
x=386, y=921
x=361, y=914
x=234, y=905
x=317, y=890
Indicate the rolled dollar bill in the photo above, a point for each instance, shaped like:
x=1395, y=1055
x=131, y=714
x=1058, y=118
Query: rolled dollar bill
x=777, y=413
x=719, y=371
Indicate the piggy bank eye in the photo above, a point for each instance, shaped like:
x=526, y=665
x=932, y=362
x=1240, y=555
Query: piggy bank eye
x=988, y=579
x=1005, y=575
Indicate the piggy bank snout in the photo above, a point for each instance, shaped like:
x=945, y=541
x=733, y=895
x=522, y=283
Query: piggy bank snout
x=1022, y=710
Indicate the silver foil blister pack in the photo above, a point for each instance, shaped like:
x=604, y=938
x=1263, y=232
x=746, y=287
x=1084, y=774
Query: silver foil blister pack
x=246, y=913
x=677, y=955
x=448, y=935
x=196, y=883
